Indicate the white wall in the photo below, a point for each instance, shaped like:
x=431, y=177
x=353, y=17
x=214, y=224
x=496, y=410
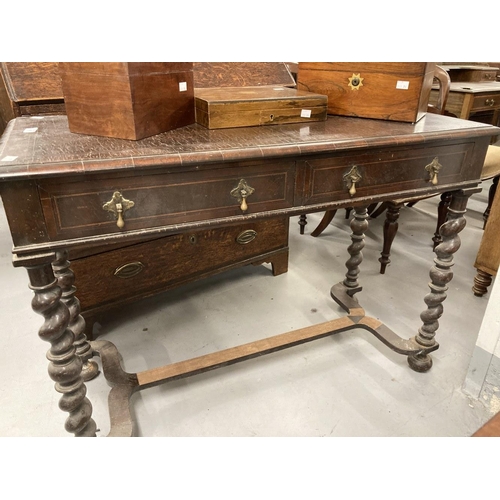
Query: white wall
x=486, y=356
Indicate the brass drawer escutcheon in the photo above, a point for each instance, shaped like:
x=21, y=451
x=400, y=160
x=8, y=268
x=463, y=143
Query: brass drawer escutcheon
x=433, y=168
x=241, y=192
x=246, y=236
x=351, y=178
x=129, y=270
x=118, y=205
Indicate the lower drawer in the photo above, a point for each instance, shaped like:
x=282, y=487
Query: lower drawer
x=112, y=278
x=484, y=102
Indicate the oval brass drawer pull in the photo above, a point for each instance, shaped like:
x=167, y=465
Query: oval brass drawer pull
x=118, y=205
x=246, y=236
x=129, y=270
x=433, y=168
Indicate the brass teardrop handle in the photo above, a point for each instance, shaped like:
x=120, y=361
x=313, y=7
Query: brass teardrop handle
x=433, y=168
x=118, y=205
x=489, y=102
x=241, y=192
x=351, y=178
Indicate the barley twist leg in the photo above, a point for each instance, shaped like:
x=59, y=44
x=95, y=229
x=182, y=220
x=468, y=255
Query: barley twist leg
x=65, y=367
x=440, y=274
x=66, y=279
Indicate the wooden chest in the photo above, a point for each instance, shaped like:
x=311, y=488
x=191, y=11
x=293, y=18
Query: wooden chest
x=127, y=100
x=29, y=89
x=227, y=107
x=386, y=91
x=107, y=278
x=251, y=94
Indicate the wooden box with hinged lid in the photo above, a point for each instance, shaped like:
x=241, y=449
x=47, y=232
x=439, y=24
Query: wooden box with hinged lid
x=397, y=91
x=251, y=94
x=127, y=100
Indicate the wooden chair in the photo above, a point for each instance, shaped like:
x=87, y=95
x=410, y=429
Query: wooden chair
x=488, y=255
x=393, y=207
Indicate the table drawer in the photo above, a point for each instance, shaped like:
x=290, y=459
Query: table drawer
x=329, y=179
x=144, y=269
x=484, y=102
x=75, y=208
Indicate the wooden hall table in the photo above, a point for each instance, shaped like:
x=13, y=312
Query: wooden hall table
x=478, y=101
x=62, y=190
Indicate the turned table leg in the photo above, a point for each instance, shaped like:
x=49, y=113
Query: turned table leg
x=440, y=274
x=65, y=366
x=66, y=279
x=359, y=225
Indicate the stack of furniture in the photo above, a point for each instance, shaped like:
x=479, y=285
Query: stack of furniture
x=474, y=93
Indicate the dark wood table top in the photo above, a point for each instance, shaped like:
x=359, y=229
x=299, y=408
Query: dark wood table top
x=33, y=147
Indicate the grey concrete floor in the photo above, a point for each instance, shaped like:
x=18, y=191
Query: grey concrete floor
x=348, y=384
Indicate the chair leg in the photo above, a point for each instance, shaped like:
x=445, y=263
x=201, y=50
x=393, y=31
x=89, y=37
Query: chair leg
x=442, y=213
x=491, y=195
x=482, y=281
x=374, y=213
x=390, y=230
x=327, y=218
x=302, y=223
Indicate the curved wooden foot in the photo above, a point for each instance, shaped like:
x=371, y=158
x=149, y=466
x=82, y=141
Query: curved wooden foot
x=420, y=362
x=327, y=218
x=482, y=281
x=123, y=386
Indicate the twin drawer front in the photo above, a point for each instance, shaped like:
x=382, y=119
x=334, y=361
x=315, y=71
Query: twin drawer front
x=75, y=209
x=89, y=207
x=348, y=177
x=147, y=268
